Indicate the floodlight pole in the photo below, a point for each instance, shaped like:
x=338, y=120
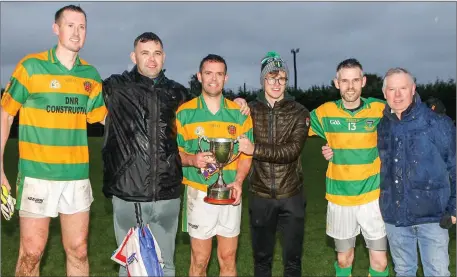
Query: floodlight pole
x=294, y=52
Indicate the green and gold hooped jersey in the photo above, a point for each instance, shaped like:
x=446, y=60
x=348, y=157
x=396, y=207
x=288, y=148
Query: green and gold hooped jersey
x=54, y=106
x=353, y=172
x=193, y=119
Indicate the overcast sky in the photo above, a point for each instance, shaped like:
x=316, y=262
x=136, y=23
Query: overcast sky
x=418, y=36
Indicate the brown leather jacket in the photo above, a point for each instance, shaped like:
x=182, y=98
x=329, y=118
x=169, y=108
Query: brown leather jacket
x=280, y=133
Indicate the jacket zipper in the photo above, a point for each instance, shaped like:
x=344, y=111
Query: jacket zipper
x=270, y=140
x=403, y=204
x=152, y=142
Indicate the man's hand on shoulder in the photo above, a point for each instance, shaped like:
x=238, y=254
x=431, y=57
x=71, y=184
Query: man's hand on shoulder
x=244, y=107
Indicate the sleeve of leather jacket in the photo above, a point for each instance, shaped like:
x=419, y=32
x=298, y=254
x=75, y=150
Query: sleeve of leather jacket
x=447, y=147
x=286, y=152
x=185, y=95
x=107, y=89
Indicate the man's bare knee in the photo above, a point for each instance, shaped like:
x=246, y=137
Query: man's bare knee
x=199, y=263
x=345, y=259
x=200, y=254
x=227, y=259
x=226, y=254
x=33, y=238
x=77, y=250
x=28, y=261
x=74, y=236
x=378, y=260
x=198, y=267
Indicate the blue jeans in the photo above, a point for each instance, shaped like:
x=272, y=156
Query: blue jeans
x=433, y=246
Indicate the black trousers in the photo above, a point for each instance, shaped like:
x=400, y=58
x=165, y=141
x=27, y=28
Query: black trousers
x=266, y=215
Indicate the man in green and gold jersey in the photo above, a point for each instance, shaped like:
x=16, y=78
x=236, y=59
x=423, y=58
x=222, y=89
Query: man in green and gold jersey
x=213, y=116
x=56, y=94
x=352, y=179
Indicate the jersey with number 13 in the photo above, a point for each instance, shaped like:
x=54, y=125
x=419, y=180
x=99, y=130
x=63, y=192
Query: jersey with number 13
x=353, y=172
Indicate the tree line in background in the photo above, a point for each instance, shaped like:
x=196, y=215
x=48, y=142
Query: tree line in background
x=314, y=96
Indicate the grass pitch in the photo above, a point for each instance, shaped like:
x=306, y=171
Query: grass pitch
x=318, y=254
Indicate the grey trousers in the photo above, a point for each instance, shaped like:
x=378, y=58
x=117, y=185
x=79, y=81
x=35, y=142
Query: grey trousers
x=162, y=217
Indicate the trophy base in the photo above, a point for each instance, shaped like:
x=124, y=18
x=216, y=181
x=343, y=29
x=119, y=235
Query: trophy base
x=218, y=201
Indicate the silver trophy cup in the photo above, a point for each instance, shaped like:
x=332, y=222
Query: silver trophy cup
x=222, y=150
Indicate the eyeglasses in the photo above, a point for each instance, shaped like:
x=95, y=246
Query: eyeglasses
x=272, y=81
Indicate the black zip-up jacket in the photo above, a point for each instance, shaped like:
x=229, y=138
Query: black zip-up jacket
x=140, y=153
x=280, y=133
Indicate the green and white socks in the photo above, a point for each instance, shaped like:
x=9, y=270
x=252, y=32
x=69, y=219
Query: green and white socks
x=347, y=271
x=343, y=272
x=374, y=273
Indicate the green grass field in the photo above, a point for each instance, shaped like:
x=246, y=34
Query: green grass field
x=318, y=251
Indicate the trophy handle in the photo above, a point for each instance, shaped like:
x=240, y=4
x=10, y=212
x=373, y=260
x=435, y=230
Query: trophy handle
x=235, y=141
x=208, y=171
x=200, y=141
x=233, y=158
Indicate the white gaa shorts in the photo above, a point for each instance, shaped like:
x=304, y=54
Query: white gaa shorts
x=205, y=220
x=345, y=222
x=44, y=198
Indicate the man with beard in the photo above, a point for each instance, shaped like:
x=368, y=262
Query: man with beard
x=140, y=152
x=56, y=93
x=213, y=116
x=352, y=179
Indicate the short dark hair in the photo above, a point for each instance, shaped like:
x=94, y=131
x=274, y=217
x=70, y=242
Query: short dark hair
x=73, y=8
x=147, y=36
x=213, y=58
x=349, y=63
